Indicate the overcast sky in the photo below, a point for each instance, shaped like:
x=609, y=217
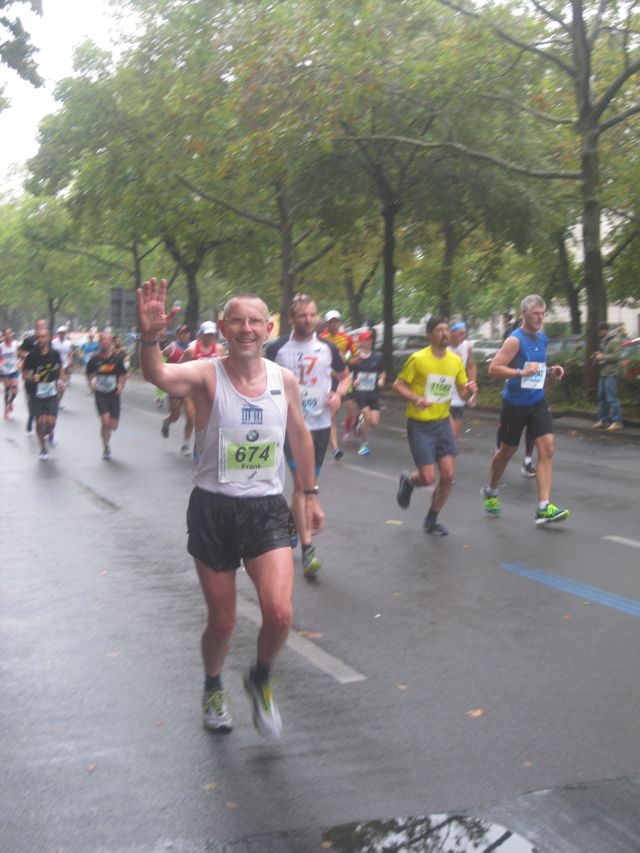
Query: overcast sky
x=64, y=24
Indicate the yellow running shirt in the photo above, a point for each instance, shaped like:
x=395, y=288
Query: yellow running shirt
x=432, y=378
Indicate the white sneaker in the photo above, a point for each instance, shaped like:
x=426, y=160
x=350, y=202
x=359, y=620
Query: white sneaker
x=266, y=717
x=185, y=450
x=215, y=713
x=43, y=455
x=53, y=441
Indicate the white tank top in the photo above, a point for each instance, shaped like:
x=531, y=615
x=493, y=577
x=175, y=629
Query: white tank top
x=463, y=351
x=9, y=358
x=241, y=447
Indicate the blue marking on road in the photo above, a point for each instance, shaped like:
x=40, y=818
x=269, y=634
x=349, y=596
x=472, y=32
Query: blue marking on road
x=592, y=593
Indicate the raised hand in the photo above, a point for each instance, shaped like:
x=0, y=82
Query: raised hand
x=151, y=308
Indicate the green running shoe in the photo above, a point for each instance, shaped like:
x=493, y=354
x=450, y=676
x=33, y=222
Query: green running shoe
x=491, y=503
x=310, y=563
x=266, y=717
x=215, y=714
x=550, y=514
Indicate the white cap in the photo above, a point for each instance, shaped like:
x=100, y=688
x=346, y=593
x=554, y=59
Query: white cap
x=208, y=328
x=62, y=329
x=332, y=315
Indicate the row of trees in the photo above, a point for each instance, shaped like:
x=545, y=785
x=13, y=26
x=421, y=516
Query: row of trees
x=393, y=156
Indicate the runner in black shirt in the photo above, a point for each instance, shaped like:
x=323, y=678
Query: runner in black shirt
x=43, y=368
x=368, y=380
x=106, y=374
x=28, y=345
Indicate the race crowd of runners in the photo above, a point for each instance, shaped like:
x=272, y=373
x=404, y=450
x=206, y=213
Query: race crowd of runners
x=254, y=406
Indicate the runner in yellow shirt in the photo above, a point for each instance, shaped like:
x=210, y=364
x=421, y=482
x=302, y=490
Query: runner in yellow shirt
x=426, y=382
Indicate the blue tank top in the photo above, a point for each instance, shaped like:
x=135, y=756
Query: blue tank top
x=533, y=348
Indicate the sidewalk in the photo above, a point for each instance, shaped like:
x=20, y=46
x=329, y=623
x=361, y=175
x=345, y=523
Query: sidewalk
x=564, y=420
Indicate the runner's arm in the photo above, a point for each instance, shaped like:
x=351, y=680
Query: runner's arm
x=472, y=367
x=302, y=446
x=177, y=380
x=500, y=363
x=404, y=390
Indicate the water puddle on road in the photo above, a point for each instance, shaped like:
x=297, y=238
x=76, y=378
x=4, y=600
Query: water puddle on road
x=439, y=833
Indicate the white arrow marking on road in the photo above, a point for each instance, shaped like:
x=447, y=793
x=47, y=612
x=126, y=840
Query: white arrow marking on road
x=632, y=543
x=334, y=667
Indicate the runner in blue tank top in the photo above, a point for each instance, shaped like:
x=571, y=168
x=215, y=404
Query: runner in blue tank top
x=522, y=362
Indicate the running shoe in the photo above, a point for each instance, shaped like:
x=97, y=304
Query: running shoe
x=338, y=454
x=185, y=449
x=293, y=532
x=310, y=563
x=550, y=514
x=598, y=425
x=528, y=469
x=53, y=441
x=491, y=503
x=435, y=528
x=266, y=717
x=215, y=714
x=164, y=429
x=43, y=455
x=615, y=426
x=106, y=453
x=364, y=449
x=405, y=490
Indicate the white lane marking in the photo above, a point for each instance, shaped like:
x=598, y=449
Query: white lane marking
x=334, y=667
x=632, y=543
x=393, y=478
x=370, y=471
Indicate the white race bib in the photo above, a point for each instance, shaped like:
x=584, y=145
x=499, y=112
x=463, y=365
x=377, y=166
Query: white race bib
x=311, y=405
x=367, y=381
x=105, y=383
x=46, y=389
x=439, y=389
x=536, y=380
x=245, y=455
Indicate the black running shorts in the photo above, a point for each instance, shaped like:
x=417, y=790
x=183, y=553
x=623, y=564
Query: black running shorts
x=108, y=404
x=224, y=530
x=41, y=406
x=513, y=420
x=320, y=438
x=368, y=400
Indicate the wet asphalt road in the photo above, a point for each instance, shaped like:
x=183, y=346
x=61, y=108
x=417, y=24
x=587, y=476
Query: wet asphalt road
x=456, y=677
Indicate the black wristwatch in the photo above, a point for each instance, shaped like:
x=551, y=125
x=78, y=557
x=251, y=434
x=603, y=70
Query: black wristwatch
x=314, y=491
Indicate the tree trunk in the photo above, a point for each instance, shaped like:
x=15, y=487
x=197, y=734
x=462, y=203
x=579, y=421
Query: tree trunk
x=51, y=310
x=354, y=312
x=287, y=276
x=137, y=266
x=593, y=276
x=570, y=291
x=446, y=273
x=192, y=311
x=389, y=213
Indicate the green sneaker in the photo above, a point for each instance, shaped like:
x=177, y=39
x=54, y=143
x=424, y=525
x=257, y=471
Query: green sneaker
x=215, y=714
x=310, y=563
x=491, y=502
x=550, y=514
x=266, y=717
